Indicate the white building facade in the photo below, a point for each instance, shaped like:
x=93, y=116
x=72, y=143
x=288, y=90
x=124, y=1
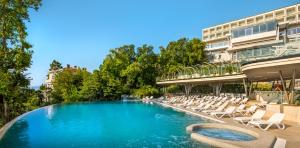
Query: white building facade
x=265, y=35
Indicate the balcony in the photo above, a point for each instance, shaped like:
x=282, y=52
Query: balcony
x=217, y=46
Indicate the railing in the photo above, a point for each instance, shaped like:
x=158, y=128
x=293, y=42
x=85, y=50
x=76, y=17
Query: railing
x=231, y=68
x=271, y=97
x=202, y=71
x=290, y=48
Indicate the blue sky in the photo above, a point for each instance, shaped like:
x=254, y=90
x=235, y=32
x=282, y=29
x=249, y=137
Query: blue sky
x=81, y=32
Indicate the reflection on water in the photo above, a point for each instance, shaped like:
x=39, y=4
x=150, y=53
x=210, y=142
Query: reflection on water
x=17, y=137
x=49, y=111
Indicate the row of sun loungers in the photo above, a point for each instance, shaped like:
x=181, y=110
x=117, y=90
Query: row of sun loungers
x=220, y=107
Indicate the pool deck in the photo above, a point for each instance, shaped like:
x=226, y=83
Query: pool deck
x=291, y=134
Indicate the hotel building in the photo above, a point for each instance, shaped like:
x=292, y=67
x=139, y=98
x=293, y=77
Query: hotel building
x=270, y=34
x=262, y=48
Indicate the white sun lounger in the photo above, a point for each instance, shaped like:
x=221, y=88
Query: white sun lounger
x=276, y=119
x=244, y=101
x=247, y=111
x=256, y=116
x=219, y=109
x=228, y=111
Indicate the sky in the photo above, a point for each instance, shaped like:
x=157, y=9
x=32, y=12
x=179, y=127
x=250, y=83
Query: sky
x=81, y=32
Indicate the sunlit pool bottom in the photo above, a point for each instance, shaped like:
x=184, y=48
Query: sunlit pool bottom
x=225, y=134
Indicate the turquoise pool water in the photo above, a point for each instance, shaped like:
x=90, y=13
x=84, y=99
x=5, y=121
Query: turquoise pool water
x=226, y=134
x=102, y=124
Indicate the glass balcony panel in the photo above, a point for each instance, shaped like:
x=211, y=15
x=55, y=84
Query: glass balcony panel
x=249, y=31
x=262, y=28
x=271, y=26
x=255, y=29
x=241, y=32
x=257, y=52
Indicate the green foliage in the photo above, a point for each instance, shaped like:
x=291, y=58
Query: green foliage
x=90, y=88
x=174, y=89
x=127, y=68
x=32, y=103
x=183, y=52
x=146, y=91
x=55, y=65
x=68, y=84
x=296, y=100
x=229, y=68
x=263, y=86
x=233, y=88
x=15, y=56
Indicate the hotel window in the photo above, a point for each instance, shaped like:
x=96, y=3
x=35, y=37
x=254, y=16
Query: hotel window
x=235, y=33
x=293, y=31
x=255, y=29
x=257, y=52
x=263, y=28
x=249, y=53
x=248, y=31
x=241, y=32
x=266, y=51
x=271, y=26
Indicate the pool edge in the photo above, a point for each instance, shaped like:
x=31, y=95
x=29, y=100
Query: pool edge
x=5, y=128
x=190, y=112
x=263, y=139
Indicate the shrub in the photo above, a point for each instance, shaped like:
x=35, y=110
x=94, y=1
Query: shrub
x=146, y=91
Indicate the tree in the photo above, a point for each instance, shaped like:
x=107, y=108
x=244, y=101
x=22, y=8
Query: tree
x=90, y=88
x=15, y=53
x=55, y=65
x=112, y=71
x=129, y=70
x=183, y=52
x=75, y=84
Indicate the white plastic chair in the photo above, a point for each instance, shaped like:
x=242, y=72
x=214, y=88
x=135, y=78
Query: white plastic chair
x=256, y=116
x=276, y=119
x=228, y=111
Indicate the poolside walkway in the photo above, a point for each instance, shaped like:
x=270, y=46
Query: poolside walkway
x=291, y=134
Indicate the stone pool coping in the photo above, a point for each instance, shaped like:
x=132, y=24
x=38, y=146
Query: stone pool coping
x=262, y=139
x=4, y=129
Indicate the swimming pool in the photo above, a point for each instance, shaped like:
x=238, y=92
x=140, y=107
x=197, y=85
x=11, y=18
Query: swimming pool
x=226, y=134
x=102, y=124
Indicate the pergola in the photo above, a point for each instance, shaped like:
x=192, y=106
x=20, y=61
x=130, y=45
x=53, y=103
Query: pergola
x=207, y=73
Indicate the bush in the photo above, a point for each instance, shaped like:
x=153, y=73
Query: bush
x=174, y=89
x=146, y=91
x=32, y=103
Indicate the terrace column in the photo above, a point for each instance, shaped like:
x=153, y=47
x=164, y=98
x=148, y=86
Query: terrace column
x=188, y=88
x=283, y=85
x=218, y=88
x=292, y=86
x=246, y=87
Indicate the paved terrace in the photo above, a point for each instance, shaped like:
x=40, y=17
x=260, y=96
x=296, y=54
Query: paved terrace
x=291, y=133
